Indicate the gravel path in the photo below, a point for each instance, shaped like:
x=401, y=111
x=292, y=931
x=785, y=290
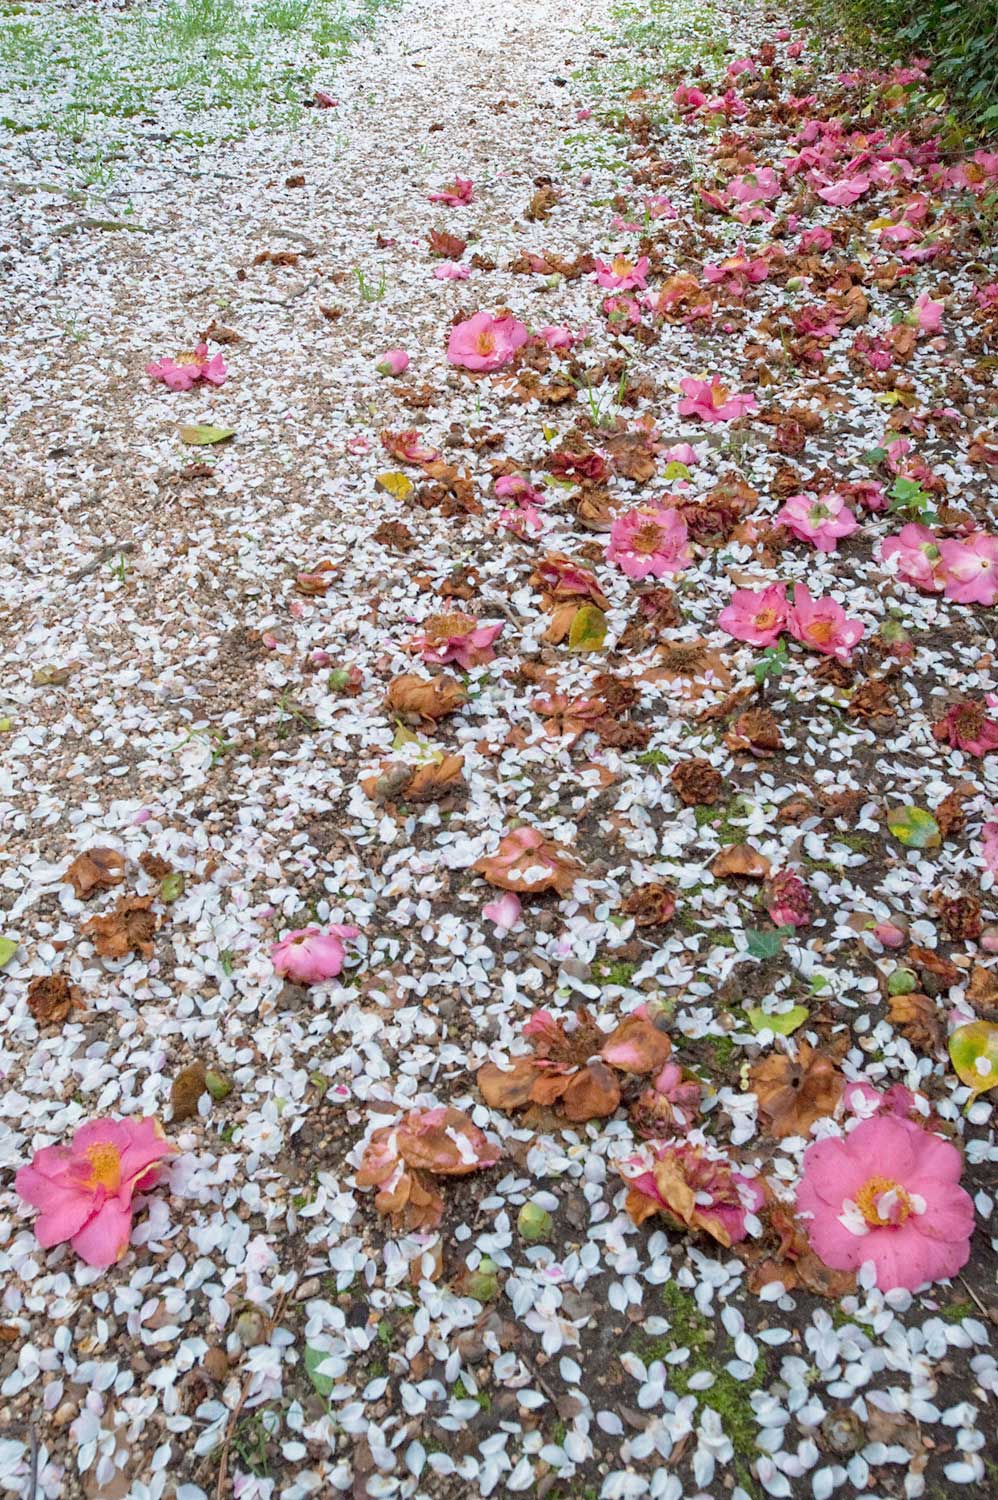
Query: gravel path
x=198, y=641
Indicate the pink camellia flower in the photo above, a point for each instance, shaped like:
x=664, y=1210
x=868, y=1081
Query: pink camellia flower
x=968, y=727
x=687, y=97
x=683, y=1094
x=622, y=275
x=822, y=521
x=457, y=637
x=484, y=342
x=822, y=625
x=756, y=616
x=451, y=270
x=888, y=1192
x=187, y=370
x=84, y=1191
x=459, y=192
x=711, y=401
x=970, y=569
x=788, y=900
x=926, y=314
x=505, y=913
x=651, y=540
x=864, y=1100
x=393, y=362
x=310, y=955
x=692, y=1185
x=918, y=556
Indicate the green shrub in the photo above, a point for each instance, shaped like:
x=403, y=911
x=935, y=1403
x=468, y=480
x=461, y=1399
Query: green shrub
x=959, y=36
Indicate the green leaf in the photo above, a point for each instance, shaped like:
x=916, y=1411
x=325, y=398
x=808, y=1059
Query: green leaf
x=914, y=827
x=784, y=1024
x=973, y=1051
x=200, y=434
x=8, y=947
x=676, y=470
x=766, y=944
x=313, y=1359
x=588, y=630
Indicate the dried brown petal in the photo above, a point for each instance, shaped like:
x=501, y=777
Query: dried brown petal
x=95, y=869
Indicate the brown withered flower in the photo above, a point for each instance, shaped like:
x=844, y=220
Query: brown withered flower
x=696, y=782
x=755, y=731
x=794, y=1092
x=650, y=905
x=52, y=999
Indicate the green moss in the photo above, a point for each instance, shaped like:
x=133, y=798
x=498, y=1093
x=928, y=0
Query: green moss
x=957, y=1311
x=654, y=758
x=710, y=1350
x=613, y=973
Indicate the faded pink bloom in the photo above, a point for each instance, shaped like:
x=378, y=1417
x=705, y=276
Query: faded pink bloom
x=890, y=934
x=622, y=275
x=310, y=955
x=819, y=238
x=967, y=727
x=558, y=337
x=459, y=638
x=483, y=342
x=918, y=556
x=926, y=314
x=84, y=1191
x=756, y=616
x=755, y=187
x=989, y=846
x=821, y=522
x=505, y=913
x=712, y=402
x=690, y=1184
x=788, y=900
x=650, y=540
x=392, y=362
x=822, y=625
x=682, y=453
x=683, y=1094
x=451, y=270
x=188, y=369
x=515, y=487
x=658, y=206
x=459, y=192
x=846, y=191
x=738, y=271
x=887, y=1192
x=970, y=569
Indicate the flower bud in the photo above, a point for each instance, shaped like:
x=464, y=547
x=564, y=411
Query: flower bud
x=393, y=362
x=534, y=1223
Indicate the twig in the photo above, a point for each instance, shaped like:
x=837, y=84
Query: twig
x=230, y=1429
x=104, y=555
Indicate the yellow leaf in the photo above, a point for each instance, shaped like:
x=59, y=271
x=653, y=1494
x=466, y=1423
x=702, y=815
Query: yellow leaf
x=395, y=484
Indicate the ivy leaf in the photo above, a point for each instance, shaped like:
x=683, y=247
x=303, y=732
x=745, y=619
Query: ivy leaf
x=783, y=1024
x=8, y=947
x=973, y=1051
x=588, y=630
x=766, y=944
x=201, y=434
x=914, y=827
x=399, y=486
x=313, y=1359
